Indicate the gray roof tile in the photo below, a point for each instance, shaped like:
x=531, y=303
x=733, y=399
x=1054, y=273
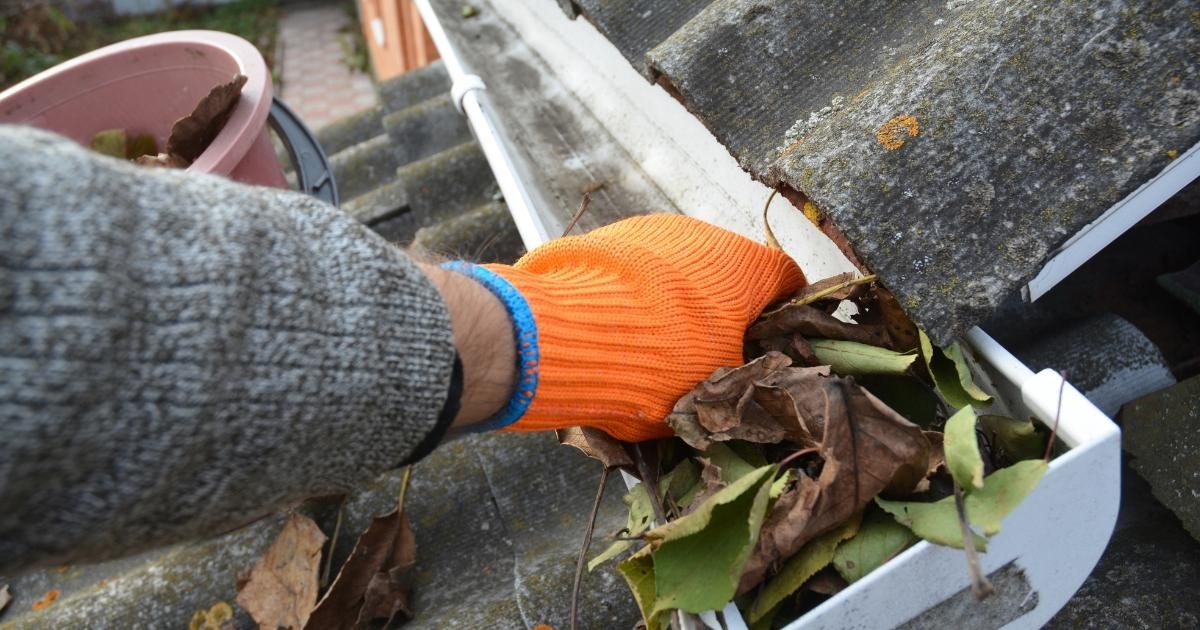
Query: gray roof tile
x=956, y=144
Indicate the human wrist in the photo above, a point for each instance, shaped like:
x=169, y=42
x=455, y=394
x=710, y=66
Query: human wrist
x=483, y=336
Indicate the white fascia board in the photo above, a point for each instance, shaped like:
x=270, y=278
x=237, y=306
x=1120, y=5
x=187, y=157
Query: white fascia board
x=670, y=145
x=1123, y=215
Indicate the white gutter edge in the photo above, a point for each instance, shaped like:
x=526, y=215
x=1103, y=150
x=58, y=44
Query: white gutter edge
x=465, y=90
x=1123, y=215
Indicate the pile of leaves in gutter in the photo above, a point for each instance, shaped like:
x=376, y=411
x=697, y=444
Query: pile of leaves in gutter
x=189, y=137
x=841, y=442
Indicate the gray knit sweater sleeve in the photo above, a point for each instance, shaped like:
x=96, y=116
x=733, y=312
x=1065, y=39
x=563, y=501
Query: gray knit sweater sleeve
x=180, y=354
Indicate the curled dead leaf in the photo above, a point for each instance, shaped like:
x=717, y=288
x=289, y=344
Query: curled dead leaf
x=597, y=445
x=192, y=134
x=280, y=590
x=868, y=449
x=812, y=323
x=371, y=583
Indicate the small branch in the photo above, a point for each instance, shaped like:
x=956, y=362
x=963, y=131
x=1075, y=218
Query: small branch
x=772, y=242
x=337, y=529
x=798, y=454
x=1057, y=413
x=980, y=585
x=823, y=293
x=403, y=488
x=583, y=549
x=583, y=206
x=651, y=484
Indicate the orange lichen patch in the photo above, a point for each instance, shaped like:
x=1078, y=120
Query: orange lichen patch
x=46, y=599
x=891, y=133
x=63, y=569
x=1172, y=153
x=811, y=211
x=791, y=147
x=543, y=626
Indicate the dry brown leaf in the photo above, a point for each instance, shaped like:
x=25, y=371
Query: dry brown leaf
x=867, y=448
x=795, y=346
x=880, y=308
x=387, y=593
x=722, y=399
x=811, y=322
x=282, y=587
x=710, y=476
x=387, y=544
x=793, y=396
x=192, y=134
x=751, y=403
x=596, y=444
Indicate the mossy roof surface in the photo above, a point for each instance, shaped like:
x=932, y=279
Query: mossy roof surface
x=956, y=144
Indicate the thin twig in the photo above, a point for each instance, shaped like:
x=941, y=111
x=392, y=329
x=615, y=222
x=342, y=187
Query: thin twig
x=403, y=488
x=1057, y=413
x=809, y=299
x=583, y=549
x=771, y=240
x=337, y=529
x=650, y=483
x=980, y=585
x=583, y=206
x=800, y=453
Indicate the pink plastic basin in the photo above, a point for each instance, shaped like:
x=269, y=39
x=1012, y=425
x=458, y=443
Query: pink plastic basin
x=144, y=85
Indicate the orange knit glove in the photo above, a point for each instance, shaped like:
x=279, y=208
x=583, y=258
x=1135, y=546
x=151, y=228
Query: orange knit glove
x=631, y=316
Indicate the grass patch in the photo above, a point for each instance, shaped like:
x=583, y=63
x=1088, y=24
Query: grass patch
x=37, y=36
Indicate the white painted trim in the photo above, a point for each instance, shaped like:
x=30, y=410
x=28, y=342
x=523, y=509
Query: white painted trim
x=672, y=147
x=1123, y=215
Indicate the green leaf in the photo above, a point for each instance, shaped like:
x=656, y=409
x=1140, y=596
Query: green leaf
x=110, y=142
x=853, y=358
x=965, y=379
x=1019, y=439
x=698, y=558
x=638, y=571
x=815, y=555
x=951, y=375
x=1002, y=492
x=676, y=484
x=732, y=465
x=879, y=539
x=641, y=514
x=962, y=449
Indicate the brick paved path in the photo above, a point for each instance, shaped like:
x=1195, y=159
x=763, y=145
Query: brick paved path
x=317, y=85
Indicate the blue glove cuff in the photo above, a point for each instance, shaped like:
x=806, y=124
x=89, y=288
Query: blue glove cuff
x=525, y=333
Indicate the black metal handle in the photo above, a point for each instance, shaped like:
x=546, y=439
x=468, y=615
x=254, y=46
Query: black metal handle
x=313, y=173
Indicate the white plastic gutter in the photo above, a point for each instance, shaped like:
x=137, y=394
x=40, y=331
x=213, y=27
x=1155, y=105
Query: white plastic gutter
x=466, y=90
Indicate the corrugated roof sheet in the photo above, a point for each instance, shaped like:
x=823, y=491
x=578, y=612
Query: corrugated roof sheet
x=956, y=144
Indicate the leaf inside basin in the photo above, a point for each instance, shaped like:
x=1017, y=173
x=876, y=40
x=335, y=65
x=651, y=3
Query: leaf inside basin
x=852, y=358
x=962, y=449
x=878, y=540
x=1002, y=492
x=698, y=558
